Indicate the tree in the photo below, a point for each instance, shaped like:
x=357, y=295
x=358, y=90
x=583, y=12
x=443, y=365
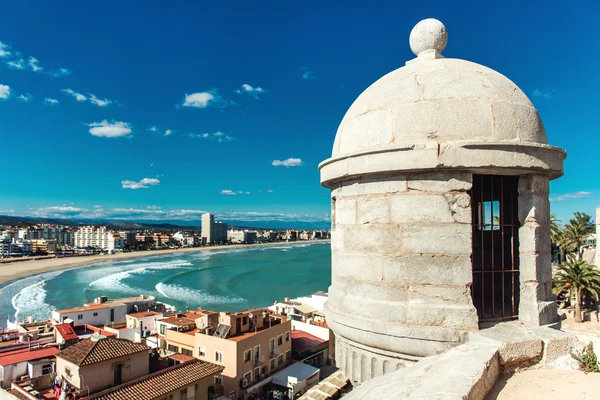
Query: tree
x=577, y=278
x=557, y=237
x=576, y=233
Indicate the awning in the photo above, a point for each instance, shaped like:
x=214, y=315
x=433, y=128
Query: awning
x=259, y=384
x=296, y=372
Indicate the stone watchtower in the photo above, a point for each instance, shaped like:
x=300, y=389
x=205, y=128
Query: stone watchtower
x=440, y=216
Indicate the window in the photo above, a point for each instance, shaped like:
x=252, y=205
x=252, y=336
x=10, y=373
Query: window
x=245, y=321
x=68, y=371
x=201, y=351
x=162, y=329
x=279, y=340
x=218, y=356
x=184, y=393
x=219, y=379
x=80, y=316
x=173, y=348
x=95, y=314
x=187, y=352
x=272, y=365
x=287, y=336
x=248, y=377
x=256, y=374
x=288, y=355
x=280, y=360
x=272, y=345
x=247, y=355
x=256, y=352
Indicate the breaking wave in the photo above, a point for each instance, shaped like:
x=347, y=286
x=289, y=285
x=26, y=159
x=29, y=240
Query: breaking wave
x=114, y=282
x=193, y=296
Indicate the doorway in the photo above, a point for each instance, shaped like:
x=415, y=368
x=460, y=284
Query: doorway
x=495, y=259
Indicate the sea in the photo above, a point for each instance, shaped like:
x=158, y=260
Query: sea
x=220, y=280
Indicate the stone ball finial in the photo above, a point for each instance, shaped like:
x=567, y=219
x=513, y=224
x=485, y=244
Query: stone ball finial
x=428, y=35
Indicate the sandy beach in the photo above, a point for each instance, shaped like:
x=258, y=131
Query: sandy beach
x=17, y=270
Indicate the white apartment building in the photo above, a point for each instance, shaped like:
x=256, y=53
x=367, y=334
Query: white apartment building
x=98, y=237
x=239, y=236
x=213, y=232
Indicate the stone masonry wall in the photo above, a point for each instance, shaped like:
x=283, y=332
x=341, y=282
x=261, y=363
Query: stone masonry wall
x=401, y=265
x=537, y=303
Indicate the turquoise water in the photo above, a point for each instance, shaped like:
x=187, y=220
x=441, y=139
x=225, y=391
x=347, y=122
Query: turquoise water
x=221, y=280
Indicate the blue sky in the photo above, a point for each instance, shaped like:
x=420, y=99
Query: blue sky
x=155, y=110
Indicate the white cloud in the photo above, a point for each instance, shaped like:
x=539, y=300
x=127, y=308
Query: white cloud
x=204, y=99
x=168, y=132
x=51, y=101
x=35, y=65
x=153, y=129
x=60, y=72
x=4, y=91
x=290, y=162
x=252, y=91
x=25, y=97
x=308, y=74
x=219, y=136
x=99, y=102
x=270, y=191
x=568, y=196
x=142, y=184
x=110, y=129
x=78, y=96
x=227, y=192
x=543, y=94
x=4, y=50
x=16, y=64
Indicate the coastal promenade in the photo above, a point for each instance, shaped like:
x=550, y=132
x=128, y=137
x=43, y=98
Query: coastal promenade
x=10, y=271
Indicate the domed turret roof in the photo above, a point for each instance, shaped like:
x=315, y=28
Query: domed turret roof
x=437, y=99
x=437, y=102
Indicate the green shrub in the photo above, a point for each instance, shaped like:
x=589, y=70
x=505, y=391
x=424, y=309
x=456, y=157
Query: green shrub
x=587, y=358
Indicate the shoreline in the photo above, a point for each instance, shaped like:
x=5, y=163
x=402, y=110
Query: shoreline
x=10, y=272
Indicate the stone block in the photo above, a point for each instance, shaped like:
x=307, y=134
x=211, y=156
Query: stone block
x=460, y=207
x=345, y=211
x=450, y=239
x=438, y=295
x=506, y=90
x=534, y=209
x=373, y=210
x=385, y=304
x=556, y=343
x=367, y=131
x=430, y=208
x=472, y=118
x=531, y=128
x=357, y=266
x=404, y=157
x=337, y=239
x=374, y=239
x=374, y=186
x=535, y=267
x=440, y=181
x=450, y=84
x=519, y=347
x=534, y=184
x=534, y=239
x=428, y=269
x=442, y=315
x=505, y=123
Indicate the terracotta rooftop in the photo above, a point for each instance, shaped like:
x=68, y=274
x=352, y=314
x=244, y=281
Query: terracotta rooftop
x=178, y=321
x=22, y=355
x=84, y=308
x=160, y=383
x=66, y=331
x=144, y=314
x=181, y=357
x=89, y=351
x=303, y=341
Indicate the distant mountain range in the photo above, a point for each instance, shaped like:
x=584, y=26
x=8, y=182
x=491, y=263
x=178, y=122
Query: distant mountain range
x=160, y=225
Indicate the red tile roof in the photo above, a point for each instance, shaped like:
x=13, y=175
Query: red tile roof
x=143, y=314
x=181, y=357
x=91, y=351
x=303, y=341
x=178, y=321
x=160, y=383
x=66, y=331
x=22, y=355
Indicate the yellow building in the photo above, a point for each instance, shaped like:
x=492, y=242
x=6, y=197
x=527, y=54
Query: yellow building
x=251, y=345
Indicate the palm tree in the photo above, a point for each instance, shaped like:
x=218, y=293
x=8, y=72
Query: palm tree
x=577, y=278
x=556, y=236
x=576, y=233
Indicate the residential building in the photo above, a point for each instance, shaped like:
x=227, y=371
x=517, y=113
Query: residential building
x=294, y=310
x=98, y=363
x=106, y=312
x=241, y=236
x=43, y=246
x=98, y=237
x=291, y=235
x=25, y=245
x=295, y=380
x=193, y=379
x=129, y=238
x=144, y=321
x=65, y=335
x=309, y=349
x=10, y=249
x=251, y=345
x=24, y=361
x=213, y=232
